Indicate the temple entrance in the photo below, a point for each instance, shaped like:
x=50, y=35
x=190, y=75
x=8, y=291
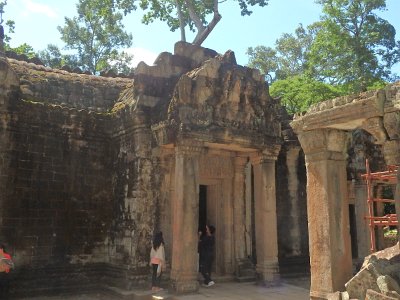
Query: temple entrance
x=202, y=207
x=208, y=198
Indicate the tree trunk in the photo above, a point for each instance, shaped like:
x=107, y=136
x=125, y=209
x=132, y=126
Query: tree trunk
x=181, y=21
x=202, y=35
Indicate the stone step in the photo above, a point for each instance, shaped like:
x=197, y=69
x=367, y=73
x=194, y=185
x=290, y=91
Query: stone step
x=251, y=278
x=138, y=294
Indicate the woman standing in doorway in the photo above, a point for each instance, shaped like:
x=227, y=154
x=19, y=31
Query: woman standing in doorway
x=157, y=261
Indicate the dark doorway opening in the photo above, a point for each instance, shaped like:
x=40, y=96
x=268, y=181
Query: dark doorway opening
x=353, y=231
x=253, y=221
x=202, y=208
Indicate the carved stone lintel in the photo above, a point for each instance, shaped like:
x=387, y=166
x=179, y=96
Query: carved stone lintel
x=391, y=150
x=190, y=148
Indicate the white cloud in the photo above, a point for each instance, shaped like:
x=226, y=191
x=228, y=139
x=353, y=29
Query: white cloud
x=29, y=7
x=141, y=54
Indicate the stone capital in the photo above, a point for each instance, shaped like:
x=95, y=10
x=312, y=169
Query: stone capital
x=240, y=162
x=293, y=151
x=324, y=143
x=267, y=155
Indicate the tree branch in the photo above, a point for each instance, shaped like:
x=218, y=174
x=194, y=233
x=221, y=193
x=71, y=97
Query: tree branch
x=194, y=17
x=181, y=21
x=202, y=35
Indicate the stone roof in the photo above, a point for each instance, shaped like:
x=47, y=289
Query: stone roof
x=42, y=84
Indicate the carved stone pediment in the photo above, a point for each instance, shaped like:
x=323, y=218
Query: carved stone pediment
x=221, y=100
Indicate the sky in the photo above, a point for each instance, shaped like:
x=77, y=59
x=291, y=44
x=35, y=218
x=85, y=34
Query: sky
x=36, y=24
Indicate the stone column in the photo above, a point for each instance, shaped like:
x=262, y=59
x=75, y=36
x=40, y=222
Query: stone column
x=380, y=211
x=239, y=213
x=363, y=235
x=391, y=150
x=328, y=211
x=292, y=157
x=185, y=215
x=265, y=216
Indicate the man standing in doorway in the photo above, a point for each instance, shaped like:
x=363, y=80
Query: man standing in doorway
x=206, y=249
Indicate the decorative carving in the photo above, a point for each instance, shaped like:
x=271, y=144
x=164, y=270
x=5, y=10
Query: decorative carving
x=189, y=148
x=215, y=167
x=324, y=140
x=267, y=155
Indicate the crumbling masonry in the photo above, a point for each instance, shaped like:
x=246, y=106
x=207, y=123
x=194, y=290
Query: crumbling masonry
x=92, y=166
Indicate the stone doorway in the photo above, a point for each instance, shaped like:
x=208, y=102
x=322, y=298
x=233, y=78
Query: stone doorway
x=211, y=213
x=208, y=216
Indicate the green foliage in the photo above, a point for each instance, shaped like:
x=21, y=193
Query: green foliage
x=53, y=58
x=298, y=92
x=10, y=24
x=24, y=49
x=95, y=36
x=349, y=50
x=353, y=46
x=177, y=14
x=289, y=57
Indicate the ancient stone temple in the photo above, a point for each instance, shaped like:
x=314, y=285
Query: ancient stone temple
x=328, y=132
x=92, y=166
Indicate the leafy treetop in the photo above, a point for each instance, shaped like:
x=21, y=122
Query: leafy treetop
x=183, y=13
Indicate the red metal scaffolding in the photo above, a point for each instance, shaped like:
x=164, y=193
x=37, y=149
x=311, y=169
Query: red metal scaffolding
x=388, y=177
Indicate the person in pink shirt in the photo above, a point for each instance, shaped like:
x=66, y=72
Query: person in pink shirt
x=157, y=261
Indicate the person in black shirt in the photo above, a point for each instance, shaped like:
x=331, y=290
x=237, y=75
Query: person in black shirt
x=206, y=251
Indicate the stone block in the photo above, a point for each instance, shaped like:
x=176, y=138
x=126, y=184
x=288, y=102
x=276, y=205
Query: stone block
x=374, y=295
x=335, y=296
x=387, y=284
x=358, y=285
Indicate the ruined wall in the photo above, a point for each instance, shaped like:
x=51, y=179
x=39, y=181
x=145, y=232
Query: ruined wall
x=76, y=177
x=85, y=175
x=292, y=209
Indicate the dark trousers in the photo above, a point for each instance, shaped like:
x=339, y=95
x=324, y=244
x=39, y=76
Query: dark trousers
x=155, y=280
x=4, y=285
x=205, y=269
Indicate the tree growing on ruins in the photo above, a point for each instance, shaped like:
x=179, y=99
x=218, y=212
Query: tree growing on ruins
x=186, y=13
x=95, y=35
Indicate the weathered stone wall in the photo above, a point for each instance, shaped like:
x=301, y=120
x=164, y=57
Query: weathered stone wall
x=59, y=197
x=86, y=162
x=291, y=201
x=77, y=178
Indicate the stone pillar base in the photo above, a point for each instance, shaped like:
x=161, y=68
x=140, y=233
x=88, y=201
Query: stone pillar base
x=244, y=267
x=315, y=295
x=268, y=274
x=184, y=287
